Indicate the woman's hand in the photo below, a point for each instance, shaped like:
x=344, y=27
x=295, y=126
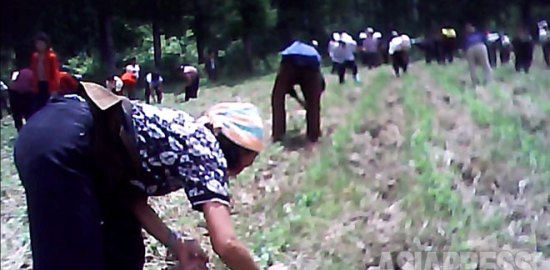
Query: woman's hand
x=191, y=256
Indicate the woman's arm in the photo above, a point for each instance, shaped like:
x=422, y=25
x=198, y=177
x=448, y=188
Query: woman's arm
x=155, y=226
x=224, y=240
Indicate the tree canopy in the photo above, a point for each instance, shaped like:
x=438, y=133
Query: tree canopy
x=249, y=30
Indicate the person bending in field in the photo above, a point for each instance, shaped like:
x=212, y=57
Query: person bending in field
x=130, y=82
x=505, y=49
x=20, y=96
x=476, y=54
x=370, y=49
x=88, y=163
x=448, y=44
x=344, y=55
x=190, y=76
x=300, y=64
x=399, y=52
x=114, y=84
x=544, y=38
x=154, y=82
x=523, y=45
x=332, y=45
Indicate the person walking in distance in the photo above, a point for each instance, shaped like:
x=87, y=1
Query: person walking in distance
x=476, y=54
x=45, y=68
x=300, y=64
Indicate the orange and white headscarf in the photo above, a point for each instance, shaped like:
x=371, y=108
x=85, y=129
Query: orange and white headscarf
x=239, y=122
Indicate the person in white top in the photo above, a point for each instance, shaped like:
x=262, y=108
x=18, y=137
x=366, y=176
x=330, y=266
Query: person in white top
x=133, y=67
x=544, y=38
x=154, y=82
x=190, y=76
x=344, y=56
x=399, y=52
x=114, y=84
x=332, y=45
x=505, y=49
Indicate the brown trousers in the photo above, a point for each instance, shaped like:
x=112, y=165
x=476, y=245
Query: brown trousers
x=310, y=82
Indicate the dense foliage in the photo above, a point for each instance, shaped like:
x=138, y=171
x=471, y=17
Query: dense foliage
x=97, y=36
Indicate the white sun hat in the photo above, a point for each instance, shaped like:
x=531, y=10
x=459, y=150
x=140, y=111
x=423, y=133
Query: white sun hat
x=362, y=35
x=336, y=36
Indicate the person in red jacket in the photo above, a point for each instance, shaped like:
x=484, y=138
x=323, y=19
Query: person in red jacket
x=45, y=67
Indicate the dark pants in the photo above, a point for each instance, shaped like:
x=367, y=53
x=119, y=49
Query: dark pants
x=546, y=52
x=524, y=56
x=505, y=52
x=400, y=60
x=148, y=93
x=191, y=91
x=20, y=104
x=343, y=67
x=372, y=59
x=447, y=50
x=54, y=161
x=41, y=98
x=492, y=50
x=311, y=83
x=334, y=68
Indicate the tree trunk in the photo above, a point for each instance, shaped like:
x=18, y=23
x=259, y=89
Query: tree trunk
x=526, y=8
x=200, y=28
x=106, y=42
x=247, y=43
x=156, y=43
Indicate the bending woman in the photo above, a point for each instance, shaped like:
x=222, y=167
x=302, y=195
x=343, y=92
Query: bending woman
x=88, y=162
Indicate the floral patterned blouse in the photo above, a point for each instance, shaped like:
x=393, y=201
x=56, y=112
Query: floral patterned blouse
x=177, y=153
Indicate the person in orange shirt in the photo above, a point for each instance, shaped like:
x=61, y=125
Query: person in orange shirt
x=130, y=83
x=45, y=67
x=68, y=84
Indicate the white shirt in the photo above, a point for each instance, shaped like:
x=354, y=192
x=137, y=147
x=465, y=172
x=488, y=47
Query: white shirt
x=543, y=35
x=332, y=45
x=399, y=43
x=116, y=85
x=188, y=69
x=134, y=69
x=149, y=78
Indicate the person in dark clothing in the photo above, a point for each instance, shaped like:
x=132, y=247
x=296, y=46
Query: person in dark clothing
x=448, y=45
x=428, y=46
x=544, y=39
x=300, y=64
x=211, y=67
x=20, y=96
x=523, y=50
